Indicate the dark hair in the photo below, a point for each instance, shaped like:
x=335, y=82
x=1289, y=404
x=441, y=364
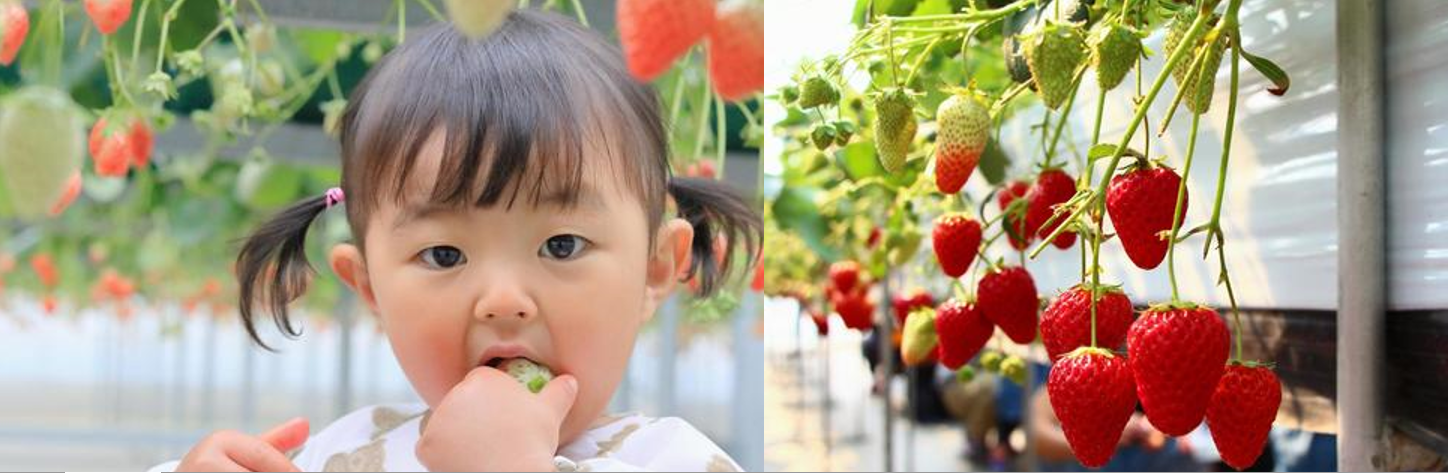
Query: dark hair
x=517, y=110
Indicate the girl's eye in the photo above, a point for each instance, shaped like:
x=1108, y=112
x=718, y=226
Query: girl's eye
x=563, y=247
x=443, y=257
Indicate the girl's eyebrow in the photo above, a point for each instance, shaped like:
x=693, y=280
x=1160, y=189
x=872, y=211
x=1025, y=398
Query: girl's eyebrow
x=584, y=197
x=413, y=213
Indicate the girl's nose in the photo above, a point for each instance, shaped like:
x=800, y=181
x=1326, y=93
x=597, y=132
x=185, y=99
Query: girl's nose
x=504, y=302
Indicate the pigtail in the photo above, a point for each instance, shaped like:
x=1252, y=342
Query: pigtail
x=272, y=268
x=715, y=208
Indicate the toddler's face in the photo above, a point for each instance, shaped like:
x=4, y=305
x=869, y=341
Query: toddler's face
x=566, y=288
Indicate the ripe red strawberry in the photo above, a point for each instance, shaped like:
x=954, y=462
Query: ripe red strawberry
x=14, y=24
x=1066, y=323
x=108, y=15
x=49, y=303
x=962, y=331
x=736, y=49
x=855, y=309
x=757, y=285
x=906, y=302
x=964, y=129
x=956, y=238
x=845, y=274
x=44, y=269
x=1242, y=411
x=1092, y=394
x=654, y=33
x=1053, y=187
x=111, y=149
x=142, y=143
x=72, y=190
x=1178, y=354
x=1008, y=298
x=821, y=322
x=1017, y=221
x=1140, y=203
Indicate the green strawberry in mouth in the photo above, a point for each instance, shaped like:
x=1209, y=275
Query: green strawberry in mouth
x=533, y=375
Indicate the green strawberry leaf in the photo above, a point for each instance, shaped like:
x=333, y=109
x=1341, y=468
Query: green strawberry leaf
x=1102, y=150
x=1280, y=81
x=859, y=162
x=796, y=211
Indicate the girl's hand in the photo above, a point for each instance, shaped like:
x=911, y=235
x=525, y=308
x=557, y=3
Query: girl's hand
x=229, y=450
x=491, y=422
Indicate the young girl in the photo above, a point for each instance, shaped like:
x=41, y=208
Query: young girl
x=511, y=199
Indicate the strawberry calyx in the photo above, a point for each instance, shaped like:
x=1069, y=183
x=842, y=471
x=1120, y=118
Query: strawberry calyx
x=1253, y=364
x=1172, y=305
x=1086, y=350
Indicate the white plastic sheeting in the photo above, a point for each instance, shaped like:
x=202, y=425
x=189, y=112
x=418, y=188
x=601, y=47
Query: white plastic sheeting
x=1417, y=130
x=1279, y=212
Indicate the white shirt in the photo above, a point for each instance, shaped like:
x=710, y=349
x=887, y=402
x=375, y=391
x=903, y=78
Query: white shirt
x=384, y=437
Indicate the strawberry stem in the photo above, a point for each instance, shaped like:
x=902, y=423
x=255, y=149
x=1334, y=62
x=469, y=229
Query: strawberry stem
x=1176, y=214
x=1235, y=40
x=720, y=124
x=1193, y=33
x=1065, y=116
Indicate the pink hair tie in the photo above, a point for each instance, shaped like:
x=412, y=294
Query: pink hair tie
x=335, y=196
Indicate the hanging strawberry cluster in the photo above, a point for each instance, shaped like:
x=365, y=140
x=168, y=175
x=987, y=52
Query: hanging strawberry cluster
x=931, y=111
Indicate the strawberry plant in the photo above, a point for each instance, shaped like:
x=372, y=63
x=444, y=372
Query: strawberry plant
x=931, y=87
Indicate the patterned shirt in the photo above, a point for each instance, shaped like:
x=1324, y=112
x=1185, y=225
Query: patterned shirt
x=383, y=438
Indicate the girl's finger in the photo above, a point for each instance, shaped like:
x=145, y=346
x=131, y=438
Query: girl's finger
x=254, y=454
x=288, y=435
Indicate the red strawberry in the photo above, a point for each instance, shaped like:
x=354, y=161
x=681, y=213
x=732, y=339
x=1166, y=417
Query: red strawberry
x=964, y=128
x=736, y=49
x=656, y=32
x=1053, y=187
x=757, y=285
x=873, y=239
x=108, y=15
x=45, y=269
x=72, y=190
x=111, y=149
x=141, y=143
x=1066, y=323
x=1178, y=354
x=962, y=331
x=845, y=274
x=821, y=322
x=1242, y=411
x=906, y=302
x=855, y=310
x=14, y=24
x=957, y=240
x=1008, y=298
x=1140, y=203
x=1016, y=221
x=1092, y=394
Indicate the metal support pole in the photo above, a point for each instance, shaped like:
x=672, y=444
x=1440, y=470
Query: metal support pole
x=885, y=331
x=1361, y=259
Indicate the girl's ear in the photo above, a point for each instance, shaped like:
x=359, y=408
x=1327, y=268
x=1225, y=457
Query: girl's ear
x=347, y=262
x=668, y=262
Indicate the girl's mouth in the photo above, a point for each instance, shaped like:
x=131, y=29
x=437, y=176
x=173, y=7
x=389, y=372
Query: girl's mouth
x=533, y=375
